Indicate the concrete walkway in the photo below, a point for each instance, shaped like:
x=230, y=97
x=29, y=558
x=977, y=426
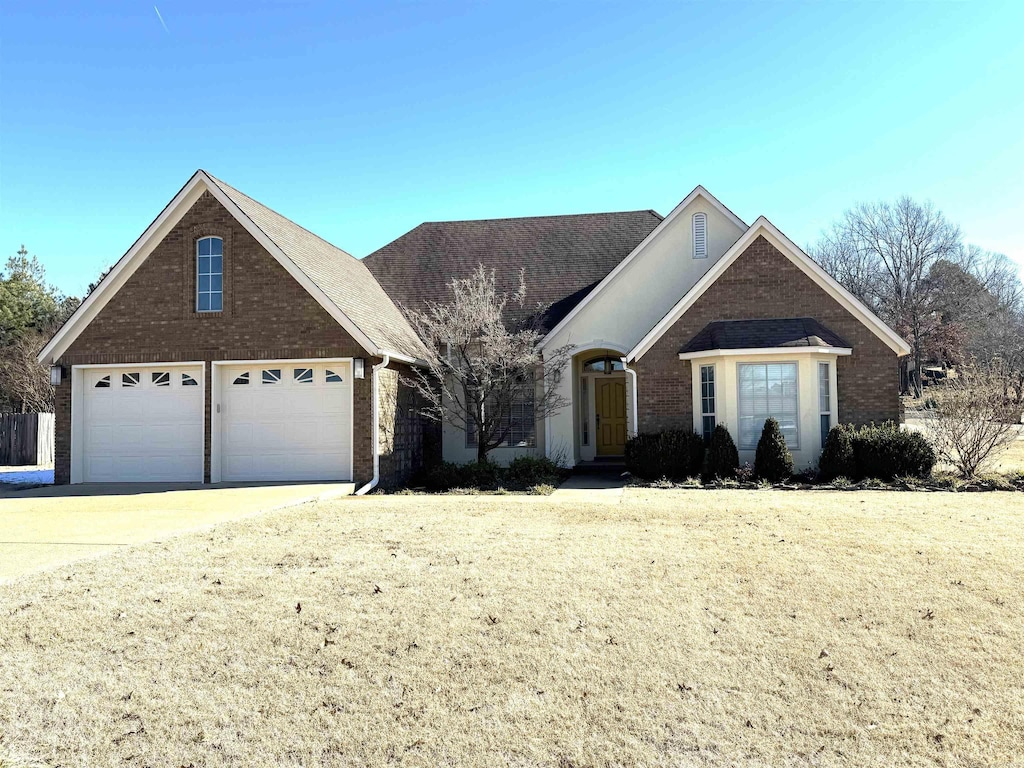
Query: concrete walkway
x=590, y=488
x=50, y=526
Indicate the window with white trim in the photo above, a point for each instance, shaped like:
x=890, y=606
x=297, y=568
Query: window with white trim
x=131, y=379
x=700, y=236
x=824, y=400
x=767, y=390
x=708, y=410
x=303, y=375
x=161, y=378
x=209, y=274
x=271, y=375
x=521, y=424
x=188, y=381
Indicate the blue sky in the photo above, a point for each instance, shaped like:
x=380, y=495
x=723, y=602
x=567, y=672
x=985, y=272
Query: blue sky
x=359, y=121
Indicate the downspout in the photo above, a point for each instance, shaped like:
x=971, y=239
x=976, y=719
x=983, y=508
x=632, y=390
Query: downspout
x=632, y=375
x=376, y=428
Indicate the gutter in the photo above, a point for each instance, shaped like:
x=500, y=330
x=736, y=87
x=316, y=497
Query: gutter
x=376, y=428
x=632, y=375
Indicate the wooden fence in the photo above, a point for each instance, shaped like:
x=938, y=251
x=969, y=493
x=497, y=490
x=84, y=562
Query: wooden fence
x=26, y=439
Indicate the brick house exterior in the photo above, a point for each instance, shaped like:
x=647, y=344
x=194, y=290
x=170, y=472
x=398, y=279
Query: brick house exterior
x=763, y=283
x=631, y=293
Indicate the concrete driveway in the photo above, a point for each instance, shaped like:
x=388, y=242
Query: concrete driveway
x=46, y=527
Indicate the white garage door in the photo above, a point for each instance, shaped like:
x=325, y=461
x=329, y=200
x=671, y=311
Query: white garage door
x=142, y=424
x=286, y=421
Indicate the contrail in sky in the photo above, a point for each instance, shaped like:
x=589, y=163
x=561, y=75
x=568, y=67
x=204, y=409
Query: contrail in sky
x=161, y=20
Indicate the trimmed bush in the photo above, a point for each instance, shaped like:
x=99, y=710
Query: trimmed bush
x=676, y=454
x=884, y=452
x=525, y=472
x=485, y=475
x=772, y=460
x=722, y=459
x=837, y=459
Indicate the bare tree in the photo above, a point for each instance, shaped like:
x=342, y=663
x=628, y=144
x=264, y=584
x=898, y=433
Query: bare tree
x=883, y=252
x=24, y=383
x=973, y=420
x=481, y=369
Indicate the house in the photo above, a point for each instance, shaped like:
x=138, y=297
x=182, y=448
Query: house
x=689, y=321
x=231, y=344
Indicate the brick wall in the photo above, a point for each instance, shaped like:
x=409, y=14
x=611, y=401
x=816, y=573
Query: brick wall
x=267, y=315
x=401, y=426
x=761, y=284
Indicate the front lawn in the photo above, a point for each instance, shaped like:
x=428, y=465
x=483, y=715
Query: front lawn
x=679, y=628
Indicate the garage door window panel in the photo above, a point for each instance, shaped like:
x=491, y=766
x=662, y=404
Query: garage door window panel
x=130, y=379
x=241, y=379
x=103, y=383
x=303, y=375
x=271, y=375
x=161, y=378
x=188, y=381
x=333, y=378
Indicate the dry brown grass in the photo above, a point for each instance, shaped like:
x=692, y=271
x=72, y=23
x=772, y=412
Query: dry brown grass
x=680, y=628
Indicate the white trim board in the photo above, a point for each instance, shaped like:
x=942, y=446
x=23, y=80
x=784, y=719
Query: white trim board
x=698, y=191
x=152, y=237
x=837, y=351
x=806, y=264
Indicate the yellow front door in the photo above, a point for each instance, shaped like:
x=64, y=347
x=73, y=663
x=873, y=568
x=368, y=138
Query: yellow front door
x=611, y=417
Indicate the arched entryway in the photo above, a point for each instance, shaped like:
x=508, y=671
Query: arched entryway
x=602, y=400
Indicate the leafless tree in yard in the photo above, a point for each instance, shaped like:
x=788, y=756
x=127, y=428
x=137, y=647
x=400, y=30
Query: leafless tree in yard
x=25, y=383
x=883, y=252
x=973, y=420
x=481, y=369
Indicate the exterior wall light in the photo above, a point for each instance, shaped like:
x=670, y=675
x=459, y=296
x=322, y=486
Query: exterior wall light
x=358, y=366
x=55, y=374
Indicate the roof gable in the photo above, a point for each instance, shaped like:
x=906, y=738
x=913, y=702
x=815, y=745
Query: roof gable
x=764, y=228
x=562, y=257
x=343, y=291
x=621, y=268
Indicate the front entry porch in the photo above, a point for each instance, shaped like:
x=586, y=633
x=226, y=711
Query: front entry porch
x=601, y=406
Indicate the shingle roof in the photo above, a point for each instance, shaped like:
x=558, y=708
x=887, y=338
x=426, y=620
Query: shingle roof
x=564, y=258
x=344, y=279
x=763, y=334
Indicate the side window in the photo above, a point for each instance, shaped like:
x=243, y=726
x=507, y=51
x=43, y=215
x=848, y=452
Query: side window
x=707, y=401
x=209, y=274
x=700, y=236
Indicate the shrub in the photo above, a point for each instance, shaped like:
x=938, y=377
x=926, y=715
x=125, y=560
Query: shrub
x=884, y=451
x=837, y=459
x=722, y=458
x=485, y=475
x=675, y=454
x=974, y=421
x=527, y=471
x=442, y=477
x=772, y=460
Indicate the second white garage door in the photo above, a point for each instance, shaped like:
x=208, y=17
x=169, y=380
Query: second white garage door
x=286, y=420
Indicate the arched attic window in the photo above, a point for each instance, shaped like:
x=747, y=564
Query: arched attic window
x=209, y=274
